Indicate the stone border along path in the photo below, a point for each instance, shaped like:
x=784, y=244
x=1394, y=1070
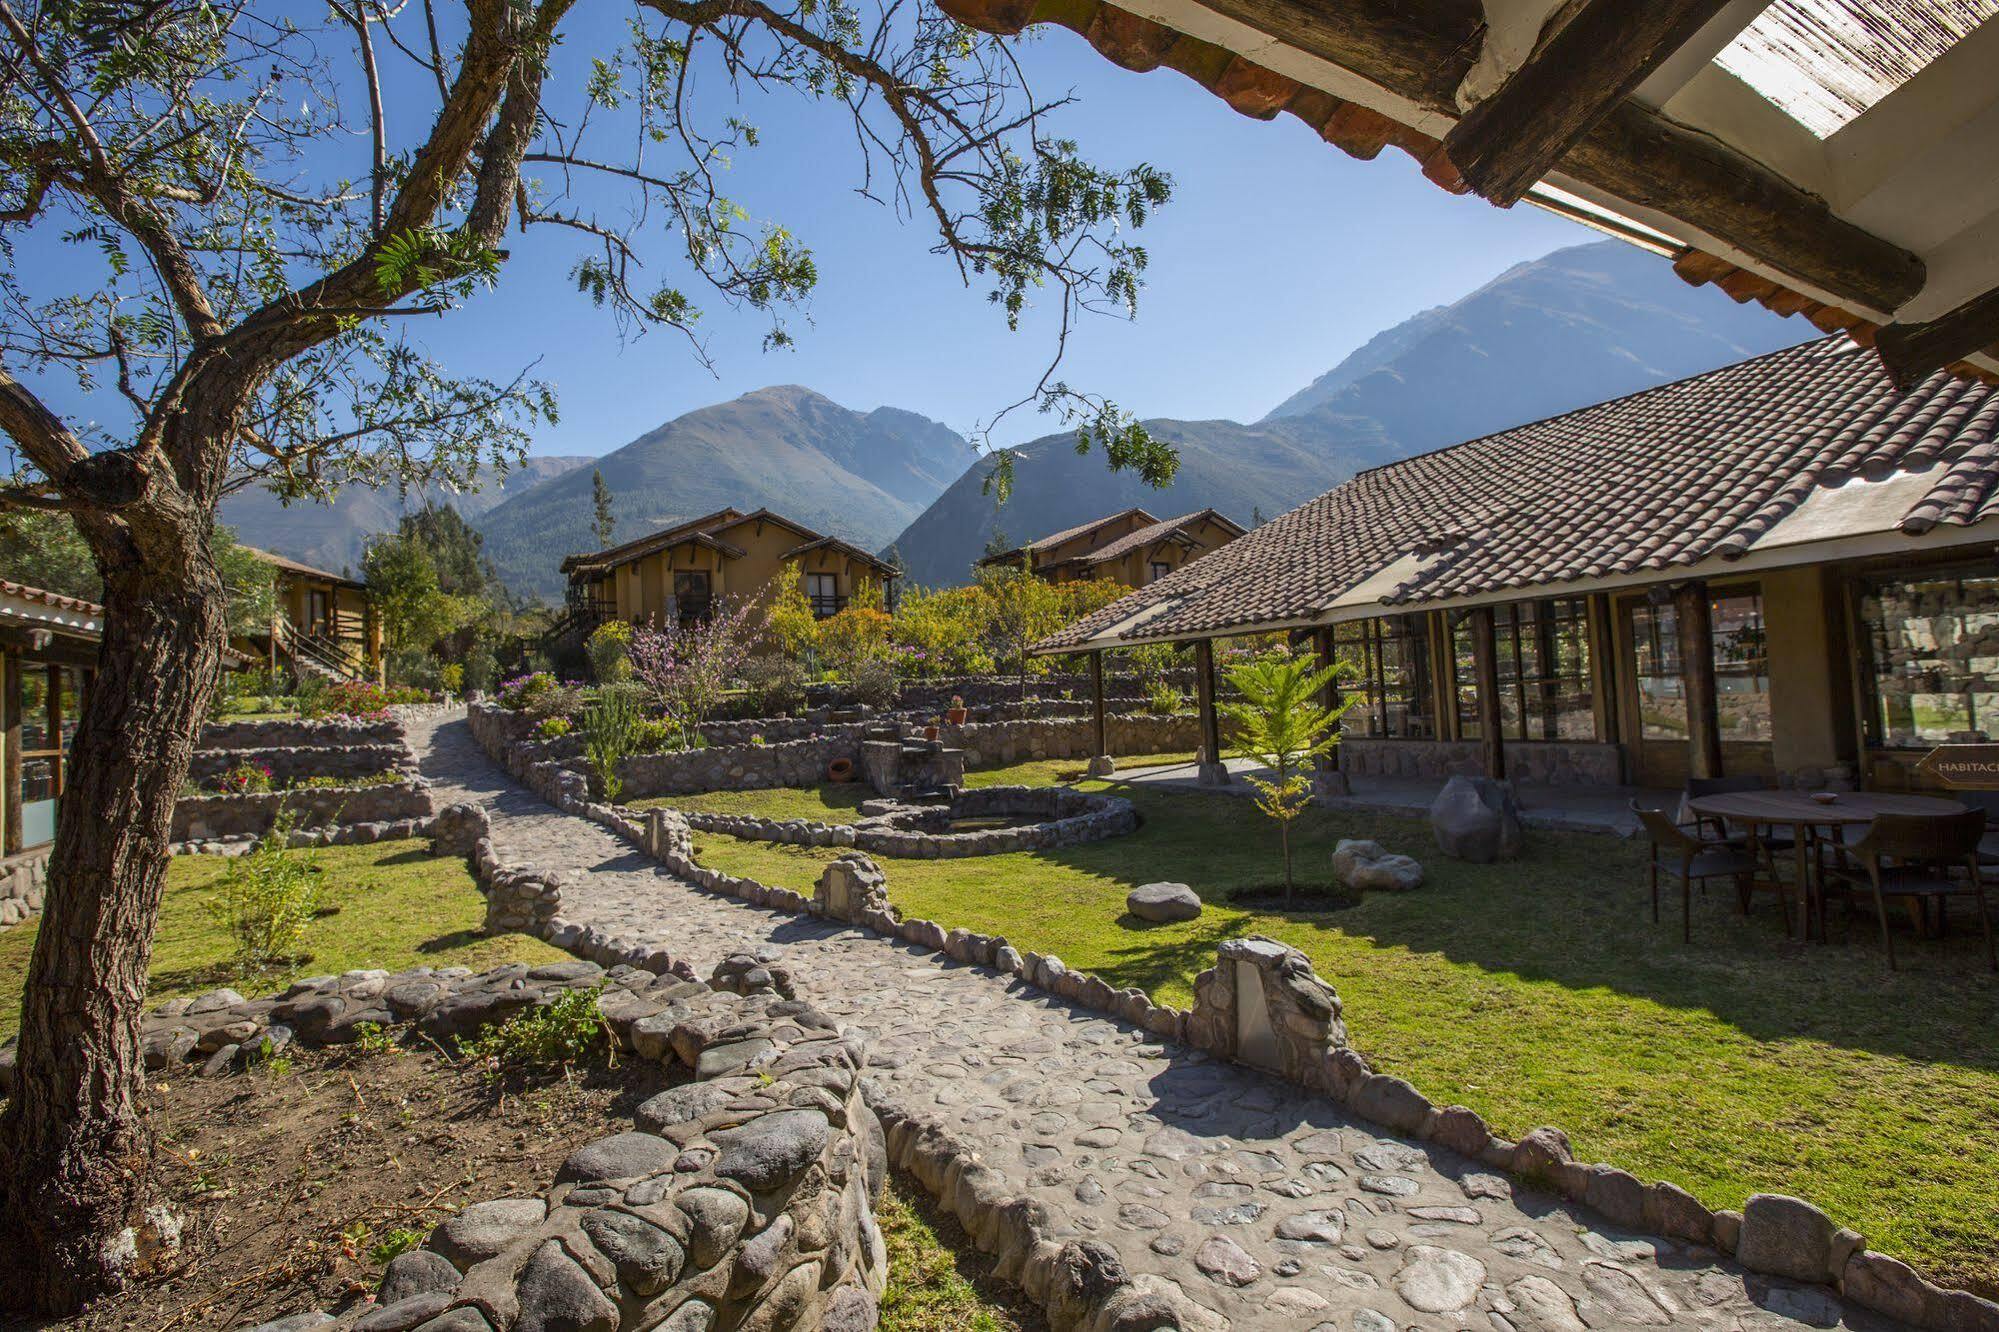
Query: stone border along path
x=1261, y=1202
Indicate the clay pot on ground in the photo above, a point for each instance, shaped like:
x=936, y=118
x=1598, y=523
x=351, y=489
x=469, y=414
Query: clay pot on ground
x=956, y=716
x=840, y=770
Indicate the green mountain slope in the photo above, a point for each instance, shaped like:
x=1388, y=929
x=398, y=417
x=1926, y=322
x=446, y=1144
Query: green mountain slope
x=332, y=535
x=1575, y=327
x=861, y=476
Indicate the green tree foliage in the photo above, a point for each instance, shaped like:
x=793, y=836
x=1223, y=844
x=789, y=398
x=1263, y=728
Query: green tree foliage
x=611, y=734
x=1280, y=720
x=602, y=521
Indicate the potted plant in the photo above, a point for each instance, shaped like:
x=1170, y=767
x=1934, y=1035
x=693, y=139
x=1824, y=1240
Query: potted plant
x=955, y=714
x=930, y=731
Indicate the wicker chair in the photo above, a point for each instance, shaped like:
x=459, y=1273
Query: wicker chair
x=1927, y=853
x=1692, y=859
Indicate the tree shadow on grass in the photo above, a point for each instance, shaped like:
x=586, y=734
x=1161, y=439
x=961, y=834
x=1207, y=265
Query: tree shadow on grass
x=1573, y=911
x=444, y=943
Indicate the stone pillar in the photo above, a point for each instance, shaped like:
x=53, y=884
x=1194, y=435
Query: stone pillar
x=1212, y=772
x=1261, y=1004
x=1694, y=619
x=1485, y=665
x=1101, y=762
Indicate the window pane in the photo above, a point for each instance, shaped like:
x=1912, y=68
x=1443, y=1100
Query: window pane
x=1405, y=677
x=34, y=706
x=1933, y=644
x=1741, y=668
x=1655, y=643
x=1542, y=659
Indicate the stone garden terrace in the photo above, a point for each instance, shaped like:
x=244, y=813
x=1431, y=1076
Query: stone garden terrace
x=1235, y=1165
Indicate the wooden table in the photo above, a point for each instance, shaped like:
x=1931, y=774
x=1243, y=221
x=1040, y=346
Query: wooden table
x=1797, y=811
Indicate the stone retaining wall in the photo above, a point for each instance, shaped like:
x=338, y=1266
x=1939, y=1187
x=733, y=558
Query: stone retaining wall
x=1069, y=818
x=200, y=818
x=1535, y=762
x=742, y=1197
x=22, y=878
x=1772, y=1234
x=986, y=690
x=996, y=744
x=295, y=733
x=290, y=764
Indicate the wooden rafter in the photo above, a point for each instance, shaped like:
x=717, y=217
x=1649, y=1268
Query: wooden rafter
x=1573, y=79
x=1420, y=52
x=1913, y=352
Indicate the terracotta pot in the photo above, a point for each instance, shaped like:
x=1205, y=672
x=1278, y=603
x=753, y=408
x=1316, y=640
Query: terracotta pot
x=840, y=770
x=930, y=733
x=956, y=716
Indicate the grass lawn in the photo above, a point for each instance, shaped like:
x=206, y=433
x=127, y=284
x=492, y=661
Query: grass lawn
x=938, y=1281
x=391, y=905
x=1540, y=992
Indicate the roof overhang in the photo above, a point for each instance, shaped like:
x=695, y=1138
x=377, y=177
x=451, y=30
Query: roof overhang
x=1622, y=117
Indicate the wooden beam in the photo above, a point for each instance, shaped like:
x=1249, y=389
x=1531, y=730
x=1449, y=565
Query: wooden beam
x=1485, y=667
x=1420, y=52
x=1694, y=619
x=10, y=775
x=1204, y=694
x=1322, y=646
x=1097, y=704
x=1505, y=144
x=1914, y=352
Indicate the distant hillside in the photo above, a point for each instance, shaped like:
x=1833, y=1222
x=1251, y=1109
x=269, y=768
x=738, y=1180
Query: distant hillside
x=1575, y=327
x=861, y=476
x=332, y=535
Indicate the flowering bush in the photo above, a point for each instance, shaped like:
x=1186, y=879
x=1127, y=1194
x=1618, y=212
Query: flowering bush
x=517, y=693
x=688, y=667
x=244, y=779
x=552, y=728
x=356, y=698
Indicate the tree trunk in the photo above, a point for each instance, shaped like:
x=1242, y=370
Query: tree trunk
x=1284, y=838
x=73, y=1142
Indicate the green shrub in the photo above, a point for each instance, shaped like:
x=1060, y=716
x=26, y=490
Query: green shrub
x=609, y=648
x=567, y=1030
x=1162, y=700
x=552, y=728
x=452, y=677
x=873, y=683
x=654, y=734
x=269, y=899
x=245, y=779
x=611, y=734
x=774, y=686
x=386, y=777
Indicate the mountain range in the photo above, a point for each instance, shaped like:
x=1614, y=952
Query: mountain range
x=1571, y=328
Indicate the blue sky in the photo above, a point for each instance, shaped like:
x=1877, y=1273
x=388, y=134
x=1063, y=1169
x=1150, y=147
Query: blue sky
x=1278, y=255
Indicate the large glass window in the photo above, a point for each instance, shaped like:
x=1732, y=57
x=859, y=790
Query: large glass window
x=1741, y=669
x=1389, y=664
x=51, y=702
x=1933, y=655
x=1542, y=649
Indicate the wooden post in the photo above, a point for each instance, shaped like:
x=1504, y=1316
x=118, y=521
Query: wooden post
x=1695, y=621
x=1101, y=762
x=1485, y=667
x=1213, y=772
x=1330, y=780
x=10, y=777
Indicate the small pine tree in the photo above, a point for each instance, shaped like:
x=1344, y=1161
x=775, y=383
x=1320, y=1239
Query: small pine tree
x=1280, y=722
x=602, y=521
x=1255, y=515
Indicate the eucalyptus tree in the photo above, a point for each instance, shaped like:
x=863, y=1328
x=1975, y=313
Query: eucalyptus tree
x=222, y=219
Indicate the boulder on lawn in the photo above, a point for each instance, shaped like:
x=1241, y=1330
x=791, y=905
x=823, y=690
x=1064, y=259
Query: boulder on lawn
x=1163, y=902
x=1365, y=867
x=1476, y=819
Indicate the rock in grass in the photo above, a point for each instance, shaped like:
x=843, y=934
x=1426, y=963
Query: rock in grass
x=1163, y=902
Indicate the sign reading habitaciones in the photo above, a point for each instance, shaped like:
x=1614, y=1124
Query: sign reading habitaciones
x=1971, y=767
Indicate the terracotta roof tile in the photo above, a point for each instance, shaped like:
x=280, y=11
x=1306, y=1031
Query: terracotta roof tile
x=1689, y=471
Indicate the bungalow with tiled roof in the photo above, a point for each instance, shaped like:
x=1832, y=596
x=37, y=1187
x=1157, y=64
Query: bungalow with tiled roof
x=1783, y=566
x=1130, y=547
x=678, y=572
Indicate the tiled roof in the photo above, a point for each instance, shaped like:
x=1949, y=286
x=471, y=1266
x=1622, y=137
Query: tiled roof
x=650, y=542
x=1054, y=539
x=1154, y=533
x=288, y=565
x=1698, y=469
x=53, y=600
x=852, y=552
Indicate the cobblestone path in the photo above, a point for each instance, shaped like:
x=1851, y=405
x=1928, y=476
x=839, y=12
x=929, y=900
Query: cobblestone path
x=1263, y=1203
